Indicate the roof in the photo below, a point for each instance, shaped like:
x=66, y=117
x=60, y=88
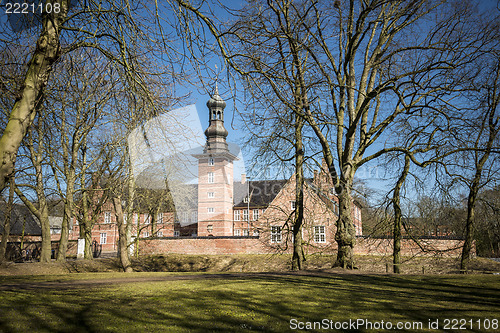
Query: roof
x=20, y=215
x=262, y=192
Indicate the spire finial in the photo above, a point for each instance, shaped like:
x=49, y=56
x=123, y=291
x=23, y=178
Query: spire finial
x=216, y=91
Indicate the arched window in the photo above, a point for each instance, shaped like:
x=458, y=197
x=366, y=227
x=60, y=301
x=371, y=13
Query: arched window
x=213, y=115
x=218, y=115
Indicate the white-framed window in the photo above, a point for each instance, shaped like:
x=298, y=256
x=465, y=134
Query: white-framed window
x=255, y=214
x=275, y=234
x=136, y=218
x=211, y=209
x=245, y=199
x=245, y=232
x=319, y=234
x=211, y=194
x=245, y=214
x=107, y=217
x=159, y=233
x=211, y=178
x=159, y=218
x=237, y=232
x=236, y=215
x=176, y=233
x=185, y=217
x=145, y=234
x=103, y=238
x=292, y=204
x=147, y=219
x=211, y=161
x=194, y=216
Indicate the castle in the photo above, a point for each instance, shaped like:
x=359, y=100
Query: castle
x=260, y=211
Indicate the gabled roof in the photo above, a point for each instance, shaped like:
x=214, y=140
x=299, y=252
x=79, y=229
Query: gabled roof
x=20, y=215
x=262, y=192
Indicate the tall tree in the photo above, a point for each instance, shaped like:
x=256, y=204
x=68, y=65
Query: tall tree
x=361, y=65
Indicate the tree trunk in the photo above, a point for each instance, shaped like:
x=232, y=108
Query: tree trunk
x=6, y=224
x=298, y=251
x=46, y=53
x=396, y=254
x=46, y=251
x=122, y=236
x=469, y=224
x=346, y=233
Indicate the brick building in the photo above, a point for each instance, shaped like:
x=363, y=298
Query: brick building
x=225, y=208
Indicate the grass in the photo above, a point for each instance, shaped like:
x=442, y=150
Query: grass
x=180, y=302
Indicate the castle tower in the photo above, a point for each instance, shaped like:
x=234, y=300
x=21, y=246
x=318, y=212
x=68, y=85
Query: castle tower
x=215, y=175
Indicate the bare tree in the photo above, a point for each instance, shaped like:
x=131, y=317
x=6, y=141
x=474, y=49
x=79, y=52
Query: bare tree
x=359, y=65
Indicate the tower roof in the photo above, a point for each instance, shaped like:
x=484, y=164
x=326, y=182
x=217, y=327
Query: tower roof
x=216, y=133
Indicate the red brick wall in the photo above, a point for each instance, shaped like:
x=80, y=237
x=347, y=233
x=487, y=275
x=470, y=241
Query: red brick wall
x=255, y=245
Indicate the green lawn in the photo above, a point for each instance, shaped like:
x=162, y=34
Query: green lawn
x=166, y=302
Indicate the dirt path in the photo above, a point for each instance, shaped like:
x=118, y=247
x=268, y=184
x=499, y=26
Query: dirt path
x=103, y=282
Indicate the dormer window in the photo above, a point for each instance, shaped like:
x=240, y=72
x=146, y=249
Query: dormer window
x=245, y=199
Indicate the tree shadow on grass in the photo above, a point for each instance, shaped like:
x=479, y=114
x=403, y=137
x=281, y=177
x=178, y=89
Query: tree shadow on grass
x=250, y=302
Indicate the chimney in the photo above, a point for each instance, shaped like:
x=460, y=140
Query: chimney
x=243, y=178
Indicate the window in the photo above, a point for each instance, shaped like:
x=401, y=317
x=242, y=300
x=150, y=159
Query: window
x=185, y=217
x=136, y=218
x=194, y=216
x=145, y=234
x=210, y=177
x=159, y=233
x=245, y=215
x=176, y=233
x=292, y=204
x=211, y=161
x=319, y=234
x=159, y=218
x=211, y=194
x=245, y=232
x=107, y=217
x=147, y=219
x=256, y=232
x=245, y=199
x=103, y=237
x=255, y=214
x=275, y=234
x=236, y=215
x=237, y=232
x=211, y=209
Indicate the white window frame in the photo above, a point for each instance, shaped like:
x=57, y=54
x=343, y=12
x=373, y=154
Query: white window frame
x=176, y=233
x=159, y=218
x=147, y=219
x=185, y=217
x=107, y=217
x=276, y=235
x=237, y=232
x=211, y=178
x=211, y=194
x=255, y=214
x=211, y=210
x=244, y=215
x=211, y=161
x=292, y=204
x=245, y=232
x=103, y=238
x=159, y=234
x=145, y=234
x=319, y=234
x=237, y=215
